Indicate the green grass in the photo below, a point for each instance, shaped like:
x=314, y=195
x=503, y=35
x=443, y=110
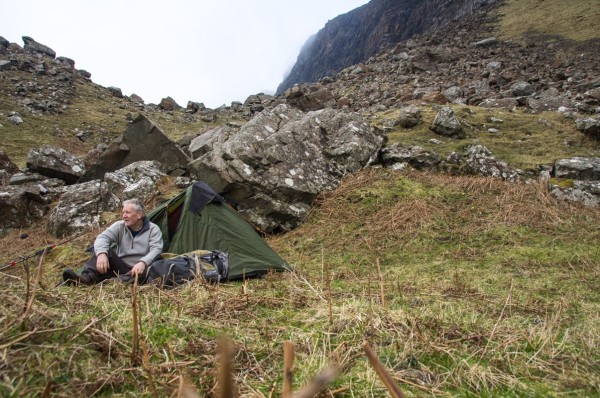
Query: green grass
x=489, y=289
x=524, y=140
x=578, y=21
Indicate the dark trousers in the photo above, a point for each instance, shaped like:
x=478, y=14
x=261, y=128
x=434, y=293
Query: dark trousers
x=117, y=268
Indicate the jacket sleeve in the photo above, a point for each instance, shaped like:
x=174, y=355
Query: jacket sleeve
x=155, y=244
x=107, y=238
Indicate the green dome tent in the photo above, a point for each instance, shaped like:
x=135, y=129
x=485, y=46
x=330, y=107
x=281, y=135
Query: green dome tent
x=199, y=219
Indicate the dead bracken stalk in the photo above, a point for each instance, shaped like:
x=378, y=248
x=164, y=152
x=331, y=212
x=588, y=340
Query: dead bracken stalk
x=381, y=285
x=226, y=385
x=318, y=383
x=33, y=332
x=48, y=390
x=17, y=339
x=147, y=369
x=420, y=387
x=37, y=282
x=89, y=325
x=27, y=286
x=329, y=294
x=385, y=377
x=288, y=369
x=135, y=338
x=186, y=390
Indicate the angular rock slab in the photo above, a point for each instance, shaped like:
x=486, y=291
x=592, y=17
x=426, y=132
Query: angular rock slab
x=55, y=162
x=276, y=164
x=80, y=208
x=142, y=140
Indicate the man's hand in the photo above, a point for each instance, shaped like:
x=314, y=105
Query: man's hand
x=138, y=268
x=102, y=263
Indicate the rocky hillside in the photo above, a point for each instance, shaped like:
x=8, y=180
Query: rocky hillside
x=368, y=30
x=469, y=62
x=463, y=98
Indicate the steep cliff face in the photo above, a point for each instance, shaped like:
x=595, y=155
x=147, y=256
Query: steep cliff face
x=356, y=36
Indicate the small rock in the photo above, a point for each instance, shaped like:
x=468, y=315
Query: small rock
x=15, y=118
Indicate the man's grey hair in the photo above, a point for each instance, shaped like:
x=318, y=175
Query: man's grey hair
x=137, y=205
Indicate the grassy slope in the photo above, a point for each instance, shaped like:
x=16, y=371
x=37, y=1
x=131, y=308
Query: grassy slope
x=489, y=289
x=93, y=109
x=578, y=21
x=524, y=140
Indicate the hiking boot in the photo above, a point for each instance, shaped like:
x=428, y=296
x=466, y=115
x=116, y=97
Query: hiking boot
x=70, y=277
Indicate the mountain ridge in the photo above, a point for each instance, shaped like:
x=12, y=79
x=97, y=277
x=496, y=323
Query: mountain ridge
x=354, y=37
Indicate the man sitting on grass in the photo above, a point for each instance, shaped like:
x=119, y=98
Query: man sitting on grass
x=138, y=243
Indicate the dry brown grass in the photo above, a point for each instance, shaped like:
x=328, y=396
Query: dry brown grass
x=486, y=289
x=471, y=259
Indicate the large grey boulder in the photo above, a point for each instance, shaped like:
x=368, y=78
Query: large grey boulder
x=81, y=207
x=276, y=164
x=22, y=205
x=577, y=180
x=398, y=156
x=143, y=188
x=7, y=164
x=26, y=177
x=309, y=97
x=409, y=116
x=547, y=102
x=15, y=118
x=585, y=192
x=66, y=63
x=194, y=107
x=34, y=46
x=137, y=180
x=592, y=96
x=589, y=126
x=578, y=168
x=169, y=104
x=480, y=161
x=55, y=162
x=5, y=64
x=204, y=142
x=455, y=94
x=506, y=103
x=447, y=124
x=142, y=140
x=19, y=206
x=521, y=89
x=116, y=91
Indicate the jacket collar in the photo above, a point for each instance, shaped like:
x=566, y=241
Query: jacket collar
x=145, y=225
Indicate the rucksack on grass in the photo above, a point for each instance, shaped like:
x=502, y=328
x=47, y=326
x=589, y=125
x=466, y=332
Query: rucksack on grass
x=174, y=270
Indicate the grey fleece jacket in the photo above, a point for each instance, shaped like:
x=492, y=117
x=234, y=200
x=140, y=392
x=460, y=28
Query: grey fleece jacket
x=145, y=246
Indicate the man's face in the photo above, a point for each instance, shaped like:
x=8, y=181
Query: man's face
x=131, y=217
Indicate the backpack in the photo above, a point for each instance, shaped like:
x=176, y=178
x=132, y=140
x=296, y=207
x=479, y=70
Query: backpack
x=171, y=272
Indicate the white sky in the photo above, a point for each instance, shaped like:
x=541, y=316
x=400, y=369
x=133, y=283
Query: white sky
x=213, y=52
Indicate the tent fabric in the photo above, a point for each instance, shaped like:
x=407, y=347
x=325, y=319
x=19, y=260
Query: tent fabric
x=214, y=226
x=203, y=194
